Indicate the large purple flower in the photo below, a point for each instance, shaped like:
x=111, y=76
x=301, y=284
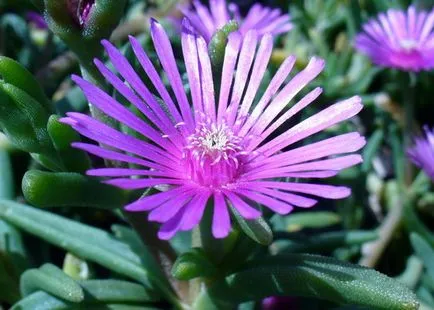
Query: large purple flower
x=422, y=153
x=228, y=147
x=399, y=39
x=262, y=19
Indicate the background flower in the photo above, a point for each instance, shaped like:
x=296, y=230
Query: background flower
x=422, y=153
x=207, y=21
x=400, y=39
x=226, y=150
x=36, y=19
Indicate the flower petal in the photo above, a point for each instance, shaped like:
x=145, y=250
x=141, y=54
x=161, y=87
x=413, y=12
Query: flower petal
x=221, y=221
x=328, y=117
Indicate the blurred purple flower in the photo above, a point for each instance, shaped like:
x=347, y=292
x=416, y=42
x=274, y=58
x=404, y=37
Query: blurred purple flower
x=399, y=39
x=215, y=147
x=36, y=19
x=422, y=153
x=280, y=303
x=80, y=10
x=262, y=19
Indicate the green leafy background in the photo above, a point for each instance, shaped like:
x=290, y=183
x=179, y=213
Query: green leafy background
x=65, y=242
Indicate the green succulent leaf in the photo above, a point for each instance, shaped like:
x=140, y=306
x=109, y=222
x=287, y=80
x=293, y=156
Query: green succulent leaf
x=424, y=251
x=314, y=276
x=18, y=123
x=14, y=73
x=317, y=219
x=325, y=241
x=372, y=148
x=86, y=242
x=11, y=244
x=50, y=189
x=13, y=261
x=115, y=291
x=62, y=136
x=132, y=239
x=193, y=264
x=51, y=279
x=258, y=230
x=98, y=294
x=32, y=109
x=7, y=183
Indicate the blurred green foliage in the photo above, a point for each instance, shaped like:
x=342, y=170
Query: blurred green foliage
x=128, y=268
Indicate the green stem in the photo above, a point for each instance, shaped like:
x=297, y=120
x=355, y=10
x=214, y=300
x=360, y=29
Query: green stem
x=195, y=284
x=388, y=227
x=164, y=255
x=408, y=96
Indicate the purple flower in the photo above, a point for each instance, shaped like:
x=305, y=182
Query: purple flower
x=36, y=19
x=228, y=148
x=399, y=39
x=422, y=153
x=80, y=10
x=263, y=19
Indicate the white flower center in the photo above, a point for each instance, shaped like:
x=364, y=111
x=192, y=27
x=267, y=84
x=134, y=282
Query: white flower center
x=408, y=44
x=214, y=142
x=213, y=155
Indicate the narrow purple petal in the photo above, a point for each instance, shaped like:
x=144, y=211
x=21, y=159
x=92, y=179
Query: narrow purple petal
x=102, y=133
x=345, y=143
x=312, y=174
x=221, y=221
x=275, y=205
x=150, y=202
x=292, y=199
x=276, y=82
x=260, y=65
x=241, y=206
x=230, y=59
x=125, y=172
x=219, y=13
x=337, y=164
x=241, y=76
x=300, y=105
x=195, y=211
x=328, y=117
x=164, y=50
x=191, y=59
x=154, y=77
x=324, y=191
x=124, y=68
x=114, y=109
x=170, y=208
x=142, y=183
x=112, y=155
x=172, y=226
x=206, y=80
x=205, y=17
x=291, y=89
x=151, y=109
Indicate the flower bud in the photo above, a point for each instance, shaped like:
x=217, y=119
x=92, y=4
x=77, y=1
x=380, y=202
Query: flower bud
x=80, y=10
